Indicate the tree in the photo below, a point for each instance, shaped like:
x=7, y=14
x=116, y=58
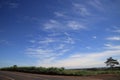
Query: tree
x=111, y=62
x=15, y=66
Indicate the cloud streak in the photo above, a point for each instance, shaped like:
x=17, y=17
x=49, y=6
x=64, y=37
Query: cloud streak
x=81, y=9
x=97, y=4
x=114, y=38
x=75, y=25
x=4, y=42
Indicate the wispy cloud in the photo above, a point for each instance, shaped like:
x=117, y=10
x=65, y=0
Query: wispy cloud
x=47, y=55
x=10, y=4
x=13, y=5
x=32, y=41
x=61, y=46
x=60, y=14
x=114, y=38
x=69, y=40
x=107, y=45
x=38, y=51
x=63, y=25
x=49, y=48
x=81, y=9
x=75, y=25
x=88, y=47
x=54, y=34
x=118, y=31
x=52, y=24
x=44, y=55
x=47, y=40
x=4, y=42
x=94, y=37
x=112, y=47
x=81, y=60
x=96, y=4
x=115, y=29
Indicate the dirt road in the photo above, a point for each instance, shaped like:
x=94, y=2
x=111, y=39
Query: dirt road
x=6, y=75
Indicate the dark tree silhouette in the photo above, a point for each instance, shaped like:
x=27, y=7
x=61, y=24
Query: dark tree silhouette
x=111, y=62
x=14, y=66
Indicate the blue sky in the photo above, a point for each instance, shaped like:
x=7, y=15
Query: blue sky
x=59, y=33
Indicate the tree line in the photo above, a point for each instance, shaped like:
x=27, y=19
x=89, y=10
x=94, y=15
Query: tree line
x=32, y=69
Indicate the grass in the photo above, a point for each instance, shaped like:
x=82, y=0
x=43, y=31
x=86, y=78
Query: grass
x=62, y=71
x=89, y=72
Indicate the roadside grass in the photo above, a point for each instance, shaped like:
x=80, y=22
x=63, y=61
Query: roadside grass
x=89, y=72
x=62, y=71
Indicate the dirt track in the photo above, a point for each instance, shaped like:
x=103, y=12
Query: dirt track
x=6, y=75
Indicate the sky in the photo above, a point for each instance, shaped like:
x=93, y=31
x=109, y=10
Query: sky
x=59, y=33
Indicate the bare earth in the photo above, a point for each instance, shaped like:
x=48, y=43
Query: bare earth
x=6, y=75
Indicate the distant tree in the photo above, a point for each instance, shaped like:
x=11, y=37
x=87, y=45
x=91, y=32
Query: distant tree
x=14, y=66
x=111, y=62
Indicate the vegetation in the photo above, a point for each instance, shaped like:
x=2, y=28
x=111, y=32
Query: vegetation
x=111, y=62
x=74, y=72
x=62, y=71
x=39, y=70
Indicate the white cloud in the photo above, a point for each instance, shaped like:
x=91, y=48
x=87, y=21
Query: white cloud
x=96, y=4
x=51, y=24
x=75, y=25
x=43, y=55
x=69, y=40
x=32, y=41
x=107, y=45
x=47, y=40
x=9, y=4
x=46, y=56
x=59, y=14
x=13, y=5
x=116, y=38
x=118, y=31
x=94, y=37
x=112, y=47
x=4, y=42
x=38, y=51
x=81, y=9
x=61, y=46
x=64, y=51
x=48, y=48
x=63, y=25
x=54, y=34
x=88, y=47
x=67, y=34
x=115, y=29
